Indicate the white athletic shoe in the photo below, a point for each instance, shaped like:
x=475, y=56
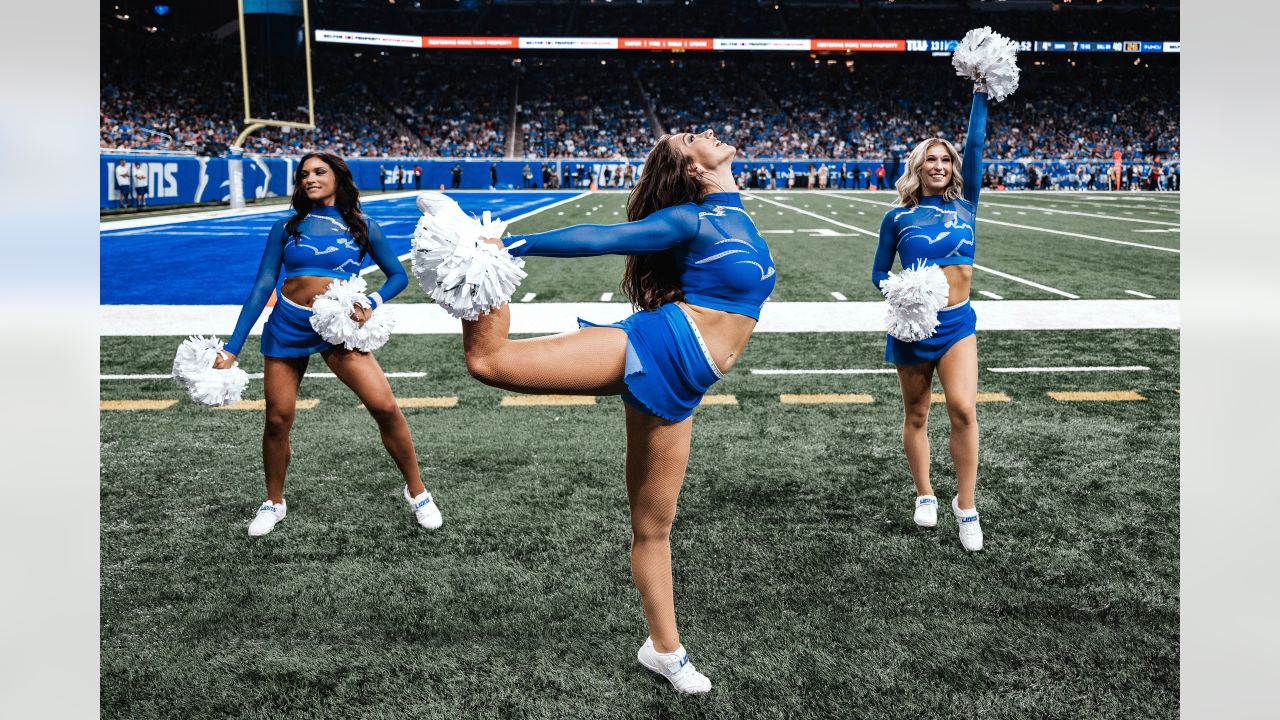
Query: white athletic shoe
x=675, y=667
x=970, y=527
x=424, y=509
x=926, y=511
x=268, y=515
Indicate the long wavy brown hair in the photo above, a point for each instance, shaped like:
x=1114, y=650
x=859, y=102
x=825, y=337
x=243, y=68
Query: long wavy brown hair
x=347, y=200
x=653, y=280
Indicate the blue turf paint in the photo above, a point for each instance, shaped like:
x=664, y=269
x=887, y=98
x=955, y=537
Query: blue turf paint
x=177, y=264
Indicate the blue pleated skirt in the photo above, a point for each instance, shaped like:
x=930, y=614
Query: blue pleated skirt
x=954, y=324
x=668, y=367
x=288, y=332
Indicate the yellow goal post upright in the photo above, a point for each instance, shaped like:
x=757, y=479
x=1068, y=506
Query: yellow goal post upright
x=253, y=123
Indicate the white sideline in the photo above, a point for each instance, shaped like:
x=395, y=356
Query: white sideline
x=829, y=316
x=253, y=376
x=1095, y=368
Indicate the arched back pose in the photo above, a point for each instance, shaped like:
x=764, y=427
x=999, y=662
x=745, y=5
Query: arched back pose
x=934, y=223
x=328, y=237
x=699, y=272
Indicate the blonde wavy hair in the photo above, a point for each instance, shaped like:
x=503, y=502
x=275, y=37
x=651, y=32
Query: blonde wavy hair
x=908, y=185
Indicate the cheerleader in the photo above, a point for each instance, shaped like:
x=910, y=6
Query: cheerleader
x=698, y=271
x=932, y=226
x=328, y=237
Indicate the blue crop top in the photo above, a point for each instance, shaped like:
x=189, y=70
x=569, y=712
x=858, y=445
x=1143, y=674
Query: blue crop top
x=937, y=231
x=323, y=247
x=724, y=262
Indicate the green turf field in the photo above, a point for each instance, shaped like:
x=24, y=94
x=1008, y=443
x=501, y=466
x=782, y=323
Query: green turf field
x=1031, y=246
x=802, y=586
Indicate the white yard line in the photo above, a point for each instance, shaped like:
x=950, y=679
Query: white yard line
x=1054, y=232
x=256, y=376
x=824, y=218
x=1007, y=276
x=606, y=297
x=1025, y=281
x=1142, y=295
x=1069, y=369
x=891, y=371
x=528, y=297
x=991, y=295
x=847, y=371
x=839, y=296
x=1054, y=211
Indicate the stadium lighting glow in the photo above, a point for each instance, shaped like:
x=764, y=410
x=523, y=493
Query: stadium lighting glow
x=161, y=9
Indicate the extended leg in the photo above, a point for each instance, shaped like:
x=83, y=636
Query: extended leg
x=589, y=361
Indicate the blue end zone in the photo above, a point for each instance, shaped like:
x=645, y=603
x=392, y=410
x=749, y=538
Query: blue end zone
x=214, y=262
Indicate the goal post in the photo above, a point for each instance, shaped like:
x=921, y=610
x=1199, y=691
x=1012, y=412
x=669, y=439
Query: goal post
x=275, y=66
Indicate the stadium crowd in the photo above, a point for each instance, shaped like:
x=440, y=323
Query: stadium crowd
x=183, y=93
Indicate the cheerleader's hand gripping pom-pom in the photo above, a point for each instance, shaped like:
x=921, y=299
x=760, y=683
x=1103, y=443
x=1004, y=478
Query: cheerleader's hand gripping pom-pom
x=990, y=60
x=193, y=370
x=331, y=317
x=465, y=275
x=914, y=298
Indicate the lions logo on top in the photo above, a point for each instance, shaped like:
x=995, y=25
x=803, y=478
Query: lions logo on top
x=757, y=254
x=924, y=231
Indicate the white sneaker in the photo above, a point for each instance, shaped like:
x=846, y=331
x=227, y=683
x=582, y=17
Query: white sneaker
x=675, y=667
x=926, y=511
x=424, y=509
x=268, y=515
x=970, y=528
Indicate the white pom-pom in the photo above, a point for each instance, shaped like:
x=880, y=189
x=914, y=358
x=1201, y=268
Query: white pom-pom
x=914, y=298
x=463, y=274
x=193, y=370
x=989, y=59
x=331, y=317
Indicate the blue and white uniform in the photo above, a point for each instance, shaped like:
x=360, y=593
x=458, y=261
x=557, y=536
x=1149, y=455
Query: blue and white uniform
x=723, y=264
x=322, y=247
x=938, y=232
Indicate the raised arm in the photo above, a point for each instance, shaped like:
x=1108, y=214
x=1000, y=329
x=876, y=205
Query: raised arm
x=389, y=263
x=662, y=230
x=884, y=249
x=974, y=139
x=268, y=274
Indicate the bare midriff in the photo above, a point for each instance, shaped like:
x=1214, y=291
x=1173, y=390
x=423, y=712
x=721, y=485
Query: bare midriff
x=304, y=288
x=725, y=333
x=959, y=278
